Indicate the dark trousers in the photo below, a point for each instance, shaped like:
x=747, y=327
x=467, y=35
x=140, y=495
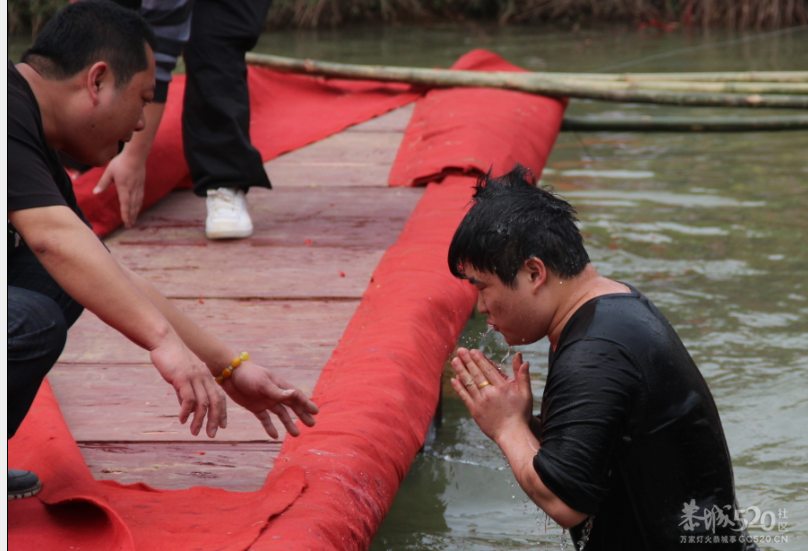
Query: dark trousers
x=39, y=315
x=216, y=110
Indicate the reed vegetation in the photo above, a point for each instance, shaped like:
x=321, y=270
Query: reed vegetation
x=664, y=14
x=29, y=15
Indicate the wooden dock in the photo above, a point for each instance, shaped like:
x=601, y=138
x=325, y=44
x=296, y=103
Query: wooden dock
x=285, y=295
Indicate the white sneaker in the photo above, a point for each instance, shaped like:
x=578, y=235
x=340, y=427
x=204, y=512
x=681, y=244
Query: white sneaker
x=228, y=216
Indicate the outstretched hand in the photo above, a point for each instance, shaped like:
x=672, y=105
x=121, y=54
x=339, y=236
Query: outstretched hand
x=129, y=175
x=260, y=391
x=196, y=390
x=494, y=400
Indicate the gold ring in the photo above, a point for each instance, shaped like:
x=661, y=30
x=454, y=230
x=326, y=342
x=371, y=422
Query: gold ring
x=483, y=384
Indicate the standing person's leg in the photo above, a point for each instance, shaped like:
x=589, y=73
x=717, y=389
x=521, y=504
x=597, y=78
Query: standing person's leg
x=216, y=111
x=39, y=315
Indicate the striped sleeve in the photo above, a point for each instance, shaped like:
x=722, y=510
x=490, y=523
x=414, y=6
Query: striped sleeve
x=171, y=21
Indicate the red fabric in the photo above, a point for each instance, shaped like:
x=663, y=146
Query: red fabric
x=471, y=130
x=75, y=510
x=287, y=112
x=378, y=392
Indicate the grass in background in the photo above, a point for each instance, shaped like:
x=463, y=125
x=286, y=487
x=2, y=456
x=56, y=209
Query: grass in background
x=28, y=16
x=734, y=14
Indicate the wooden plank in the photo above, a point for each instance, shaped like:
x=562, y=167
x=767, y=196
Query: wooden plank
x=353, y=147
x=368, y=233
x=183, y=207
x=344, y=160
x=121, y=412
x=243, y=270
x=328, y=175
x=394, y=121
x=303, y=376
x=134, y=403
x=275, y=333
x=238, y=467
x=350, y=218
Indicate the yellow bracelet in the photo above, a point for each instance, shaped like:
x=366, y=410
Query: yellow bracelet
x=228, y=371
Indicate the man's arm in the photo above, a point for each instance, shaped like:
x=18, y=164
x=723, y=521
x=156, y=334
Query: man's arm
x=502, y=409
x=128, y=169
x=520, y=446
x=80, y=264
x=252, y=386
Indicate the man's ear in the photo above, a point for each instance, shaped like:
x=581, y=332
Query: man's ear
x=536, y=273
x=99, y=76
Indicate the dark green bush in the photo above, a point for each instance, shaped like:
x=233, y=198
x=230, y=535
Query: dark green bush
x=30, y=15
x=736, y=14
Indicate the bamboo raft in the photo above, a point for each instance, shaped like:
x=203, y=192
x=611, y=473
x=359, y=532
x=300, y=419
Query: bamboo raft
x=787, y=90
x=751, y=89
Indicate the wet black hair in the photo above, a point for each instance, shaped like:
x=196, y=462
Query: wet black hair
x=90, y=31
x=513, y=220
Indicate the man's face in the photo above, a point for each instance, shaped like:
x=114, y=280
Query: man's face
x=514, y=312
x=118, y=114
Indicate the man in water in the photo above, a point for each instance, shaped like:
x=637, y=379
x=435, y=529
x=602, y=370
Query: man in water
x=628, y=451
x=82, y=89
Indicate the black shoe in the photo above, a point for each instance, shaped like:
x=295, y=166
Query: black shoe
x=22, y=484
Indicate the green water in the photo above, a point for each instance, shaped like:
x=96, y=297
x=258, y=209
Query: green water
x=712, y=227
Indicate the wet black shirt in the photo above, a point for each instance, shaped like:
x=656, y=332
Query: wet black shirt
x=630, y=433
